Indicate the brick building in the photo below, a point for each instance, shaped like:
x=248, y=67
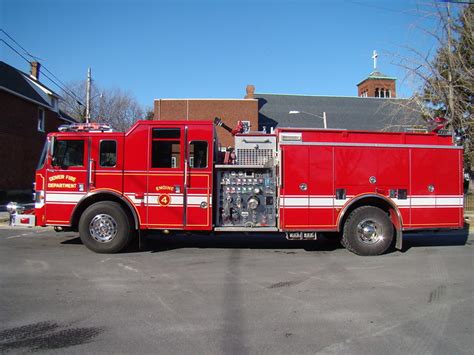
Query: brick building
x=378, y=85
x=29, y=111
x=229, y=110
x=376, y=108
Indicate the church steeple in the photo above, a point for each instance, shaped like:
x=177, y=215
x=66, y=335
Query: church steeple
x=377, y=84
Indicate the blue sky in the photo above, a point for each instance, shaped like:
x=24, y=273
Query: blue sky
x=213, y=49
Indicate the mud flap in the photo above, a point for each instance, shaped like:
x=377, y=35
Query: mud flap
x=140, y=241
x=398, y=228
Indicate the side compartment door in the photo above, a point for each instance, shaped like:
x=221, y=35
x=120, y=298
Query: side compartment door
x=67, y=179
x=198, y=177
x=436, y=198
x=165, y=191
x=423, y=188
x=321, y=188
x=294, y=195
x=449, y=187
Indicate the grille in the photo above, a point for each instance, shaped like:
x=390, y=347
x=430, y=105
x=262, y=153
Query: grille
x=254, y=156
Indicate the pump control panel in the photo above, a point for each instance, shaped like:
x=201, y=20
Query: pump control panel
x=246, y=198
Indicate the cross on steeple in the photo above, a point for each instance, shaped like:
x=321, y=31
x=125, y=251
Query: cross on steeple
x=374, y=57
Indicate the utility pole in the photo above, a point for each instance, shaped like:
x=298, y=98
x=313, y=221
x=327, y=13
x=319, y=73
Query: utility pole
x=450, y=75
x=88, y=96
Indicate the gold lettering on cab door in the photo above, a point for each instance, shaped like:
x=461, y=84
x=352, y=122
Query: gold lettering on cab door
x=62, y=181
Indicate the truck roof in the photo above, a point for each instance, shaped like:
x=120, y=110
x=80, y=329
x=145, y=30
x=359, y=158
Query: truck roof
x=366, y=137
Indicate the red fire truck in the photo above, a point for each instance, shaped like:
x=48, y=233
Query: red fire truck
x=170, y=175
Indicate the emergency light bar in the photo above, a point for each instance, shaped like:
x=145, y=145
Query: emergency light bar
x=85, y=127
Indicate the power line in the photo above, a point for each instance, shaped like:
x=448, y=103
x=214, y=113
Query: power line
x=71, y=94
x=382, y=8
x=18, y=44
x=13, y=49
x=63, y=87
x=22, y=56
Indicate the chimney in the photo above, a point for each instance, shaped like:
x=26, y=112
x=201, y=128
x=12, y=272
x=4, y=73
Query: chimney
x=250, y=92
x=35, y=70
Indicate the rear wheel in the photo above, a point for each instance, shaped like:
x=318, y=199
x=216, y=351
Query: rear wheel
x=105, y=227
x=368, y=231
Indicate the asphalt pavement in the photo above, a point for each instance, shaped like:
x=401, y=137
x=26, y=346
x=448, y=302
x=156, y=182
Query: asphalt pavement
x=235, y=294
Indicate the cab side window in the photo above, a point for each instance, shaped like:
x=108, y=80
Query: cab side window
x=166, y=148
x=68, y=153
x=198, y=154
x=108, y=154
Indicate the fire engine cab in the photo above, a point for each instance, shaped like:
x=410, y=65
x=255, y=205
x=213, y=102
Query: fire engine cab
x=170, y=175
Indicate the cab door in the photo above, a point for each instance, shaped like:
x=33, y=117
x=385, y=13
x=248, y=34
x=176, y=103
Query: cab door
x=165, y=178
x=107, y=163
x=67, y=178
x=198, y=177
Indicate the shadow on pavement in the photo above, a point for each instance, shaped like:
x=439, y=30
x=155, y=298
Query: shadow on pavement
x=436, y=238
x=156, y=242
x=72, y=241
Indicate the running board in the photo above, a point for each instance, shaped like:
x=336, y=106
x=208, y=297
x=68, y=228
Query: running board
x=246, y=229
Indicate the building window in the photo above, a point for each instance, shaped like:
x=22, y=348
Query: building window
x=382, y=92
x=376, y=92
x=40, y=120
x=166, y=148
x=387, y=93
x=54, y=103
x=108, y=154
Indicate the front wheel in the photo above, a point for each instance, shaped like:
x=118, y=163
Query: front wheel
x=368, y=231
x=104, y=227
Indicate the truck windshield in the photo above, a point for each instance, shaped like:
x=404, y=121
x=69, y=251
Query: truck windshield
x=42, y=158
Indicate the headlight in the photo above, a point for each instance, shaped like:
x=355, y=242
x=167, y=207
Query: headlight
x=39, y=196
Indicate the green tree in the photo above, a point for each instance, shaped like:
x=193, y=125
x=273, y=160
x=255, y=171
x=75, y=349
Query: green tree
x=450, y=87
x=446, y=79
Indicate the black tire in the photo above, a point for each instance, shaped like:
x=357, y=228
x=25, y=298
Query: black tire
x=105, y=227
x=368, y=231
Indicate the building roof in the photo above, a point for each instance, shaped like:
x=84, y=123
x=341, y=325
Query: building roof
x=66, y=117
x=376, y=75
x=24, y=85
x=356, y=113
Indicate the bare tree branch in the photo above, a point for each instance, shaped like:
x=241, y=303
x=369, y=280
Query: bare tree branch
x=112, y=106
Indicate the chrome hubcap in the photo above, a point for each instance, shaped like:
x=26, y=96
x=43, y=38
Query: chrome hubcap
x=103, y=228
x=369, y=232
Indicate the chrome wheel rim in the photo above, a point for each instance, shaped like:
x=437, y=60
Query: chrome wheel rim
x=103, y=228
x=369, y=231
